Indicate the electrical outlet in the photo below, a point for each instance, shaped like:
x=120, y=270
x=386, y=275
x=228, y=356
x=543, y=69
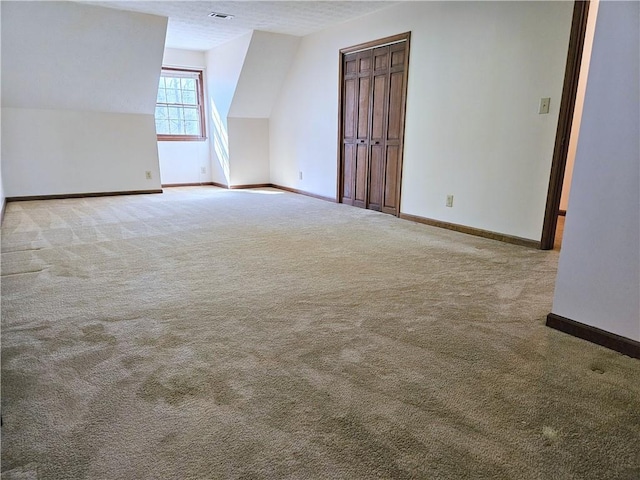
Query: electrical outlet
x=203, y=170
x=148, y=174
x=449, y=201
x=300, y=175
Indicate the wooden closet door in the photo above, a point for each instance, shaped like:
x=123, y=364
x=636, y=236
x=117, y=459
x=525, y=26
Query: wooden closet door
x=373, y=91
x=377, y=136
x=364, y=64
x=349, y=116
x=394, y=128
x=356, y=93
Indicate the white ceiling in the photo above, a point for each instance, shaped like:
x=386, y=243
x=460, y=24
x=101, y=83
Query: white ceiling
x=191, y=28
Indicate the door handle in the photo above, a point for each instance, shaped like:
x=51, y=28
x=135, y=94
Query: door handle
x=377, y=143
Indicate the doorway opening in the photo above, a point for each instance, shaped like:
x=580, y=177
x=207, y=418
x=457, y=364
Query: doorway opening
x=578, y=56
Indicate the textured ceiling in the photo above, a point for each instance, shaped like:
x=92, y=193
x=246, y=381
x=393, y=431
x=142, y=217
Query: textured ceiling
x=191, y=28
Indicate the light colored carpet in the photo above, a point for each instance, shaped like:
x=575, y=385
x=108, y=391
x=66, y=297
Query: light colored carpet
x=213, y=334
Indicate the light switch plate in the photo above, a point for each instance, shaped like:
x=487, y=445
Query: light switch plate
x=544, y=105
x=449, y=201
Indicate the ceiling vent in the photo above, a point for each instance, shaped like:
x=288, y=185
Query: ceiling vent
x=224, y=16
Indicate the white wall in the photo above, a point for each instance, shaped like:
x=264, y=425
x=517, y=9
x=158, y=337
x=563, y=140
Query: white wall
x=577, y=114
x=86, y=152
x=67, y=56
x=245, y=78
x=249, y=150
x=78, y=96
x=224, y=65
x=183, y=162
x=598, y=281
x=2, y=194
x=265, y=67
x=176, y=57
x=477, y=72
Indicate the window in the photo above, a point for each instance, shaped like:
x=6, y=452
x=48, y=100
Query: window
x=180, y=106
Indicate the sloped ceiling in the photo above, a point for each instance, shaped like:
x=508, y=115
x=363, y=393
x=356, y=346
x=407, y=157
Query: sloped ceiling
x=265, y=67
x=191, y=28
x=65, y=56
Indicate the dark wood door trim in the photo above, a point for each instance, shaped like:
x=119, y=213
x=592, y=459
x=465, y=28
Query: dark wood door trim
x=565, y=121
x=402, y=37
x=339, y=179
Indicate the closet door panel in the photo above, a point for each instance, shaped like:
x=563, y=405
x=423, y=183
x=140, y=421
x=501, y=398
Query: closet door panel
x=348, y=172
x=397, y=56
x=395, y=127
x=380, y=59
x=376, y=177
x=360, y=191
x=379, y=101
x=391, y=169
x=350, y=109
x=395, y=106
x=350, y=64
x=365, y=65
x=364, y=62
x=364, y=84
x=349, y=127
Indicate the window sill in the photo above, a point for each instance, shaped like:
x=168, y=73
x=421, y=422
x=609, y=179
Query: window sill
x=181, y=139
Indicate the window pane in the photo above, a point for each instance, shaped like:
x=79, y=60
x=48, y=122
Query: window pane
x=172, y=83
x=161, y=113
x=162, y=95
x=189, y=97
x=191, y=114
x=161, y=83
x=192, y=128
x=188, y=84
x=175, y=113
x=162, y=127
x=176, y=126
x=173, y=96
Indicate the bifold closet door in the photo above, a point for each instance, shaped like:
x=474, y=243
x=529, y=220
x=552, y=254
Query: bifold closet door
x=377, y=130
x=394, y=127
x=372, y=121
x=356, y=93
